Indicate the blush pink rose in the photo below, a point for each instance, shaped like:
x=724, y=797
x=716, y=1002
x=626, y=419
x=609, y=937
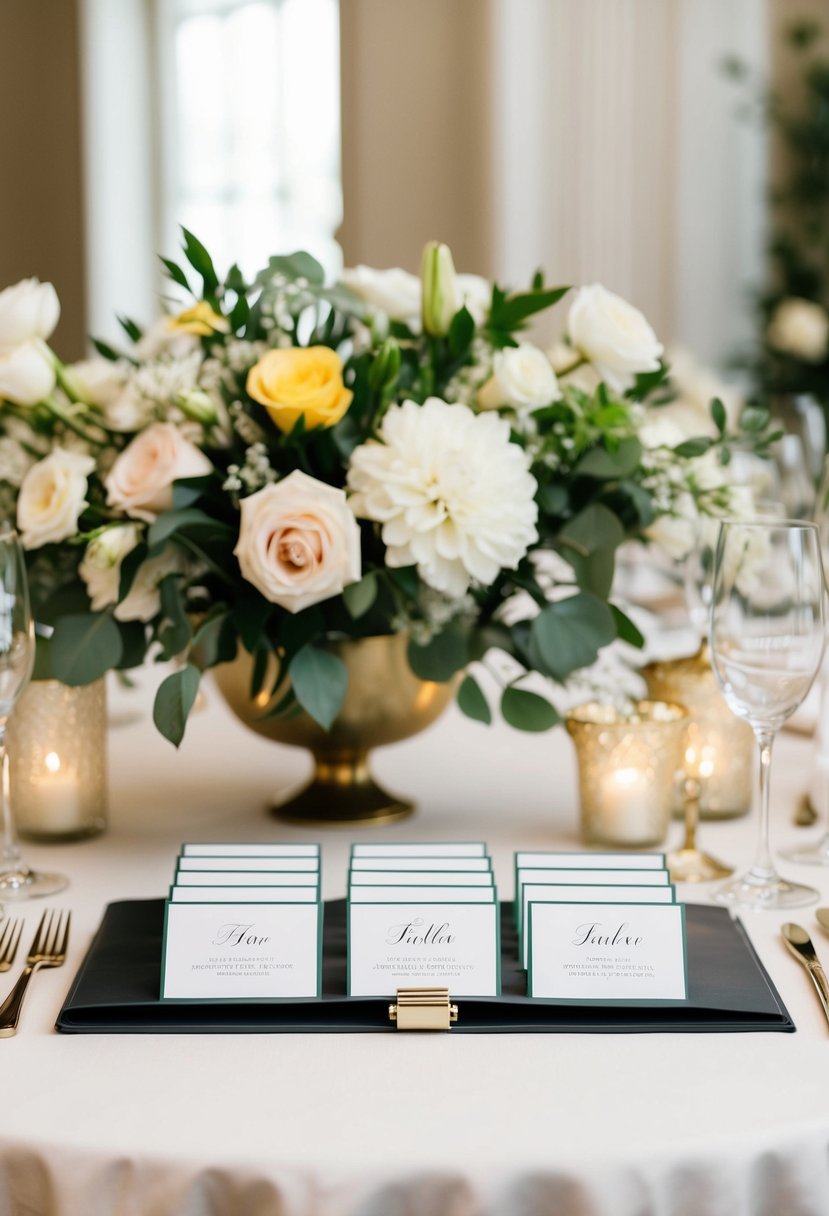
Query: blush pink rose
x=140, y=482
x=299, y=542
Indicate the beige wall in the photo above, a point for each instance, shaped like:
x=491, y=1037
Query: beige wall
x=416, y=131
x=41, y=211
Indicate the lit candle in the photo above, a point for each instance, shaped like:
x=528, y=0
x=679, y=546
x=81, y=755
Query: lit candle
x=626, y=812
x=56, y=797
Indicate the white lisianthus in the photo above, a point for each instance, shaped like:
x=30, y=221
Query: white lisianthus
x=100, y=567
x=140, y=483
x=523, y=377
x=395, y=292
x=800, y=328
x=453, y=495
x=28, y=310
x=612, y=335
x=27, y=373
x=52, y=497
x=299, y=543
x=143, y=601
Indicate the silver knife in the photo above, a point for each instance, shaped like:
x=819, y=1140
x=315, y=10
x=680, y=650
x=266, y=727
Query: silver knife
x=800, y=944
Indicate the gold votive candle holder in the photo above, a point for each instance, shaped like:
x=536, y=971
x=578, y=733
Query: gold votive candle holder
x=628, y=763
x=718, y=746
x=58, y=761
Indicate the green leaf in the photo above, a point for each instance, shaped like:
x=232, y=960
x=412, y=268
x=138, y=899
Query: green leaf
x=527, y=710
x=85, y=647
x=133, y=644
x=692, y=448
x=461, y=332
x=130, y=328
x=594, y=528
x=625, y=628
x=174, y=630
x=293, y=266
x=360, y=596
x=190, y=522
x=105, y=350
x=173, y=702
x=189, y=490
x=753, y=420
x=508, y=312
x=319, y=680
x=407, y=579
x=213, y=642
x=440, y=658
x=200, y=260
x=472, y=701
x=129, y=569
x=719, y=415
x=607, y=465
x=175, y=272
x=554, y=499
x=569, y=634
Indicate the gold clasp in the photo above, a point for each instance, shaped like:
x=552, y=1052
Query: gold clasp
x=423, y=1009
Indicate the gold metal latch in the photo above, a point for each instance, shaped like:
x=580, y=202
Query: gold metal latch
x=423, y=1009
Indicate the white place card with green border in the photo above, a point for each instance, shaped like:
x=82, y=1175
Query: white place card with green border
x=302, y=865
x=245, y=878
x=249, y=895
x=599, y=953
x=418, y=849
x=241, y=951
x=573, y=893
x=423, y=863
x=250, y=850
x=430, y=943
x=421, y=878
x=590, y=861
x=586, y=878
x=416, y=894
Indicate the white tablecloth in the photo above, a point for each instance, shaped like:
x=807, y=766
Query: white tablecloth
x=390, y=1125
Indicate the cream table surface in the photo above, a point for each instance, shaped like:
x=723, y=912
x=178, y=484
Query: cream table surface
x=387, y=1125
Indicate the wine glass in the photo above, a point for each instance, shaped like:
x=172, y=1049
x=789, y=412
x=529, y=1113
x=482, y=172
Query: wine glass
x=767, y=640
x=17, y=653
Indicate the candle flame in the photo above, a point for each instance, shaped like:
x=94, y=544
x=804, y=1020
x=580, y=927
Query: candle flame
x=626, y=776
x=52, y=762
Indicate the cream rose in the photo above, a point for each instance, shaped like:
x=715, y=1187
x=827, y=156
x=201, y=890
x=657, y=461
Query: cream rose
x=140, y=483
x=299, y=543
x=800, y=328
x=100, y=568
x=613, y=336
x=27, y=374
x=522, y=377
x=52, y=497
x=30, y=309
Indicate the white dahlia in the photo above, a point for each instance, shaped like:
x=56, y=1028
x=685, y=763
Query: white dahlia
x=454, y=496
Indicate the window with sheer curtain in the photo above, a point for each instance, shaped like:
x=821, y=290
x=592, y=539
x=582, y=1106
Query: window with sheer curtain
x=250, y=126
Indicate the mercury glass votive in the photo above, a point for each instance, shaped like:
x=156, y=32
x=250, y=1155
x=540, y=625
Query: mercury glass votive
x=57, y=761
x=718, y=745
x=628, y=764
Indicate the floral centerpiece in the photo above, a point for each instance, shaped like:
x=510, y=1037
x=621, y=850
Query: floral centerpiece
x=279, y=462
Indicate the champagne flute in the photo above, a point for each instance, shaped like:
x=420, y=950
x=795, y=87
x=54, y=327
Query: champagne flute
x=17, y=653
x=767, y=640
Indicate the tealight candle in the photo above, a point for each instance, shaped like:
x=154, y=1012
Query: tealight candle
x=58, y=797
x=627, y=770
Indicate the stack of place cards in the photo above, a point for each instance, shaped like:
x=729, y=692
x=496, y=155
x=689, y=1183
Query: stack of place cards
x=596, y=927
x=422, y=916
x=243, y=923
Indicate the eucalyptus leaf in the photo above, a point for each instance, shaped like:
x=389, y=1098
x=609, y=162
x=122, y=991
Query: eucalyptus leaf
x=569, y=634
x=85, y=647
x=360, y=596
x=527, y=710
x=442, y=657
x=472, y=702
x=606, y=465
x=320, y=681
x=175, y=698
x=175, y=630
x=594, y=528
x=626, y=630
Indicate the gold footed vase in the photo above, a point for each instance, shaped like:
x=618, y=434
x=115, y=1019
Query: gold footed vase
x=385, y=702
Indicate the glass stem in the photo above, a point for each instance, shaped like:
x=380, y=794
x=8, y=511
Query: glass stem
x=763, y=865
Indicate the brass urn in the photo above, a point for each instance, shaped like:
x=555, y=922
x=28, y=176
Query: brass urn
x=384, y=703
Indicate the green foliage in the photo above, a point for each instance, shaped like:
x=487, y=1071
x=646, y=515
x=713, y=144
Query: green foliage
x=85, y=647
x=319, y=682
x=528, y=711
x=443, y=656
x=175, y=698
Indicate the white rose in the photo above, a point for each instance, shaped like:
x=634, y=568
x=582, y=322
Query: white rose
x=99, y=381
x=28, y=310
x=27, y=374
x=144, y=599
x=299, y=543
x=613, y=336
x=800, y=328
x=52, y=497
x=395, y=292
x=100, y=568
x=141, y=480
x=523, y=377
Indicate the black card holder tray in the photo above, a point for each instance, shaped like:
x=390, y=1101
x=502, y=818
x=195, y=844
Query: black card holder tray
x=116, y=989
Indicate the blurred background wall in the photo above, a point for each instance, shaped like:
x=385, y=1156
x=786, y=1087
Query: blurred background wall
x=599, y=139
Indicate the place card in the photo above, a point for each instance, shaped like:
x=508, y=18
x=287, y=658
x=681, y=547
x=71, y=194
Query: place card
x=423, y=863
x=577, y=894
x=241, y=894
x=607, y=953
x=397, y=894
x=434, y=942
x=598, y=877
x=242, y=952
x=305, y=865
x=245, y=878
x=417, y=849
x=250, y=850
x=413, y=878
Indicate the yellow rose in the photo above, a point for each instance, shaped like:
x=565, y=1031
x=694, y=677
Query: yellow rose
x=201, y=319
x=300, y=382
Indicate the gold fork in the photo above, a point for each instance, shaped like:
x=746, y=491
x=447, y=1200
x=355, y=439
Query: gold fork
x=10, y=931
x=48, y=950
